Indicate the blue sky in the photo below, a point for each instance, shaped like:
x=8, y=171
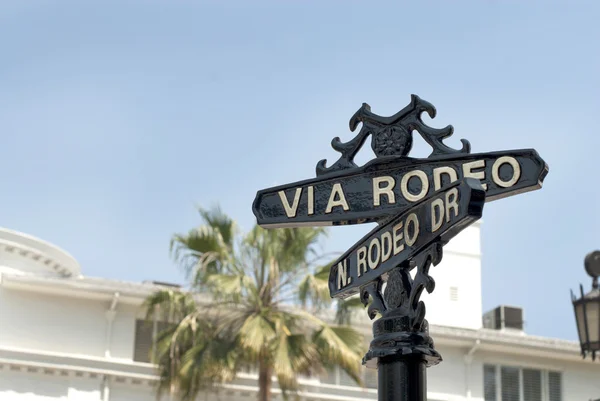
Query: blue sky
x=117, y=117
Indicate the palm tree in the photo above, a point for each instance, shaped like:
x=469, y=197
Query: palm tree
x=242, y=310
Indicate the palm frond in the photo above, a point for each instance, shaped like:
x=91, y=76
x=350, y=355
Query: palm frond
x=314, y=288
x=256, y=332
x=221, y=222
x=197, y=241
x=192, y=356
x=169, y=305
x=187, y=249
x=294, y=354
x=342, y=346
x=229, y=286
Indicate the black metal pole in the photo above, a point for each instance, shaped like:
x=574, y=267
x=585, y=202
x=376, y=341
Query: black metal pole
x=402, y=379
x=402, y=349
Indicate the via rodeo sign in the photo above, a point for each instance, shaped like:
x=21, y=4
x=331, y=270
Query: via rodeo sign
x=416, y=202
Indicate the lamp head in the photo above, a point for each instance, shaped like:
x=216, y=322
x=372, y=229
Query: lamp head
x=592, y=264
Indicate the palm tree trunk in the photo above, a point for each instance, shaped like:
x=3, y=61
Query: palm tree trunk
x=265, y=373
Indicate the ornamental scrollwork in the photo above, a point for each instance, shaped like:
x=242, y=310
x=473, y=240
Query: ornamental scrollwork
x=402, y=328
x=402, y=293
x=391, y=137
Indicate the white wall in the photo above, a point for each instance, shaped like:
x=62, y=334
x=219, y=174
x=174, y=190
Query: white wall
x=24, y=386
x=449, y=376
x=460, y=268
x=468, y=241
x=581, y=384
x=51, y=323
x=580, y=380
x=123, y=332
x=62, y=324
x=84, y=389
x=38, y=386
x=123, y=392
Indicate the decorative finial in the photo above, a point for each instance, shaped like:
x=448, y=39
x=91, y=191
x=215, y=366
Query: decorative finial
x=391, y=137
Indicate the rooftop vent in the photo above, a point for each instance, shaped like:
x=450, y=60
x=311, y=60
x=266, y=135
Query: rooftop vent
x=504, y=317
x=162, y=284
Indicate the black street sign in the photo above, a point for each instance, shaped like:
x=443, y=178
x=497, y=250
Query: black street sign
x=419, y=205
x=389, y=185
x=436, y=218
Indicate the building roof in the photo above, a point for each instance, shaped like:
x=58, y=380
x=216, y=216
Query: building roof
x=505, y=341
x=41, y=256
x=508, y=342
x=83, y=287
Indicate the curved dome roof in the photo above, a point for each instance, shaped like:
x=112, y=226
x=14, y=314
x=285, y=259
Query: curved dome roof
x=27, y=254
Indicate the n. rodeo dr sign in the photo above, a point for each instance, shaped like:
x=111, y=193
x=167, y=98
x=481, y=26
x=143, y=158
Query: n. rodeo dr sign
x=437, y=218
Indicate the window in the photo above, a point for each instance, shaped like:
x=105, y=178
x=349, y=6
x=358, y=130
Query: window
x=532, y=385
x=508, y=383
x=453, y=293
x=554, y=386
x=489, y=383
x=145, y=334
x=143, y=341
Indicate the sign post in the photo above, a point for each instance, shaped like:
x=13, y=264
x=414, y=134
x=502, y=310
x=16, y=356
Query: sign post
x=419, y=205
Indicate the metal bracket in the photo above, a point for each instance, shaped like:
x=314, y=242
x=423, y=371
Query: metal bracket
x=402, y=328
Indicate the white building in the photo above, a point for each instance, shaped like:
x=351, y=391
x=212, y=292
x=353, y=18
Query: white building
x=64, y=336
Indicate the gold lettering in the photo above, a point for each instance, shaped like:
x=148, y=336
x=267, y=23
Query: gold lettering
x=412, y=218
x=437, y=176
x=424, y=185
x=342, y=275
x=480, y=175
x=361, y=260
x=290, y=210
x=387, y=190
x=333, y=202
x=398, y=235
x=451, y=204
x=436, y=222
x=386, y=246
x=311, y=200
x=374, y=263
x=496, y=171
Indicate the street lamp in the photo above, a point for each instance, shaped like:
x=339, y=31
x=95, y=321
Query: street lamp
x=587, y=309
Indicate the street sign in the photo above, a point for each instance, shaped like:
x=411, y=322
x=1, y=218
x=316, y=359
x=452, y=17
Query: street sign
x=419, y=205
x=386, y=186
x=436, y=218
